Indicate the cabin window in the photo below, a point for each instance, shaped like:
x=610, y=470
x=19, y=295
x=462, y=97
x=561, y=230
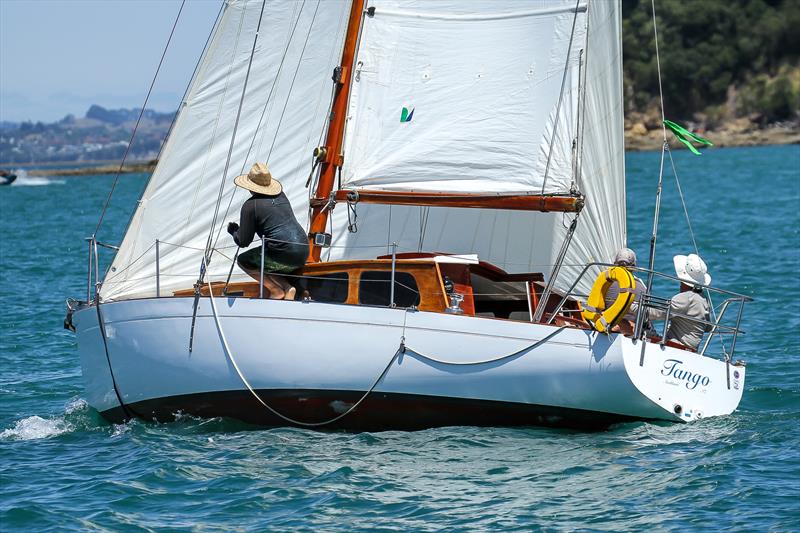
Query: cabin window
x=327, y=288
x=375, y=289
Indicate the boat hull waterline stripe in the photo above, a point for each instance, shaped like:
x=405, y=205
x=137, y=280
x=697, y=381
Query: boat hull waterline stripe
x=380, y=411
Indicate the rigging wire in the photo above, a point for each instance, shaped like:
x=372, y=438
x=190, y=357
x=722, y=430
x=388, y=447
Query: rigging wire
x=294, y=78
x=207, y=254
x=424, y=212
x=683, y=203
x=264, y=108
x=138, y=121
x=175, y=117
x=658, y=69
x=560, y=95
x=217, y=118
x=672, y=161
x=582, y=111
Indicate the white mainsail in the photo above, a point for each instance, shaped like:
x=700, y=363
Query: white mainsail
x=298, y=46
x=484, y=120
x=485, y=80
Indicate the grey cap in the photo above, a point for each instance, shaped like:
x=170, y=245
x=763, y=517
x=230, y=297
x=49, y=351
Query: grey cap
x=625, y=257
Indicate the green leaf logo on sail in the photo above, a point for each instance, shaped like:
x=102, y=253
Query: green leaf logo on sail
x=406, y=115
x=687, y=137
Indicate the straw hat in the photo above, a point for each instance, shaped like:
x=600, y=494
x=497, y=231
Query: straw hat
x=259, y=180
x=691, y=269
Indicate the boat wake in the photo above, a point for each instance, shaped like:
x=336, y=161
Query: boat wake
x=23, y=180
x=35, y=427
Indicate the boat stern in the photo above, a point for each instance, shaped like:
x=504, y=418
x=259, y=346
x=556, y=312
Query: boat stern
x=687, y=385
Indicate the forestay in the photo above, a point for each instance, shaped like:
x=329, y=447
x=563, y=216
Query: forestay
x=484, y=80
x=298, y=46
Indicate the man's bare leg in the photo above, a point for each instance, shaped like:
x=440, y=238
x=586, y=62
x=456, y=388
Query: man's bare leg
x=289, y=291
x=276, y=292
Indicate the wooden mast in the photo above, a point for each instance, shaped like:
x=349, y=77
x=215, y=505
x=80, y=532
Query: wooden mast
x=333, y=143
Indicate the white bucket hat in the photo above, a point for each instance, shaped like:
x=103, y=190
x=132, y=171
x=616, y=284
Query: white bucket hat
x=259, y=180
x=691, y=269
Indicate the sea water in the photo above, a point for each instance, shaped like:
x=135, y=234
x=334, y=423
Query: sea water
x=63, y=468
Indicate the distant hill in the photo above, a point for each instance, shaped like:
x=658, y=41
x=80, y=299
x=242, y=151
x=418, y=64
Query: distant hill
x=121, y=116
x=101, y=135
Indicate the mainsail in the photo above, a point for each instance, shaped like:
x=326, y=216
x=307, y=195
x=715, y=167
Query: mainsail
x=500, y=97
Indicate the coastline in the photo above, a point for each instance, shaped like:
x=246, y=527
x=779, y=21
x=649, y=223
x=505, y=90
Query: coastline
x=92, y=168
x=638, y=138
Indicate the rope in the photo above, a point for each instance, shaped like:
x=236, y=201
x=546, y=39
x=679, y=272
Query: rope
x=138, y=120
x=486, y=361
x=658, y=69
x=402, y=349
x=229, y=355
x=683, y=203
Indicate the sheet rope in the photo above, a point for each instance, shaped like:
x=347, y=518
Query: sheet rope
x=401, y=350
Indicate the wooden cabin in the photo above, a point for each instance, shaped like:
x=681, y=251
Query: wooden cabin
x=425, y=281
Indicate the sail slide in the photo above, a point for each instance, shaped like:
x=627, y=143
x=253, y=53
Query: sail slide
x=283, y=118
x=465, y=98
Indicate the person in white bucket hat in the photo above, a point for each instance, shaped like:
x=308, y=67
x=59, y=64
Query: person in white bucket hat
x=269, y=214
x=691, y=269
x=689, y=305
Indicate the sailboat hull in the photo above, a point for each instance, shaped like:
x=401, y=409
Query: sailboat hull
x=311, y=363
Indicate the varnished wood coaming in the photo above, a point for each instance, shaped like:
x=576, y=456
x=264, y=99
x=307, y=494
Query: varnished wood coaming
x=429, y=281
x=429, y=276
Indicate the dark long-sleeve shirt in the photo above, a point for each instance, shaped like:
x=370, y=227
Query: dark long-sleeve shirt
x=272, y=217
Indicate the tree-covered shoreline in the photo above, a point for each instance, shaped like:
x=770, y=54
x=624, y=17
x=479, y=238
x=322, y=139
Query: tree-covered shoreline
x=720, y=60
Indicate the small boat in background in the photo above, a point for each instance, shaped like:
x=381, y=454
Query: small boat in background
x=6, y=177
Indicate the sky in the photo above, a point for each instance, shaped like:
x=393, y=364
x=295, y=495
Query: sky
x=58, y=57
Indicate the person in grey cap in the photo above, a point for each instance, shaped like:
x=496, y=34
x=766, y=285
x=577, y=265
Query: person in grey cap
x=626, y=258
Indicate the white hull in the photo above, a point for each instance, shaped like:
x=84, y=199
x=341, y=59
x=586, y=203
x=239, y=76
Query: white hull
x=313, y=361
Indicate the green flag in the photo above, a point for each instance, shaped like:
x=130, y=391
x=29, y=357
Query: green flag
x=686, y=137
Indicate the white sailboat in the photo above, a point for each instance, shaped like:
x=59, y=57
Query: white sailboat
x=466, y=188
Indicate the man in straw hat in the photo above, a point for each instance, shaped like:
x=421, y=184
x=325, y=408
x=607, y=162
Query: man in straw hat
x=269, y=214
x=689, y=305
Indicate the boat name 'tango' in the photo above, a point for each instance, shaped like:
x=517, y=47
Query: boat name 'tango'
x=672, y=369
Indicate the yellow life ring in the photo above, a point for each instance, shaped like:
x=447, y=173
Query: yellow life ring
x=595, y=312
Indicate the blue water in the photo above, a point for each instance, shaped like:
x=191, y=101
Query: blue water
x=63, y=468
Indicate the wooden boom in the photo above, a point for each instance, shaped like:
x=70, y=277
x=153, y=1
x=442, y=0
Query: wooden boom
x=520, y=202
